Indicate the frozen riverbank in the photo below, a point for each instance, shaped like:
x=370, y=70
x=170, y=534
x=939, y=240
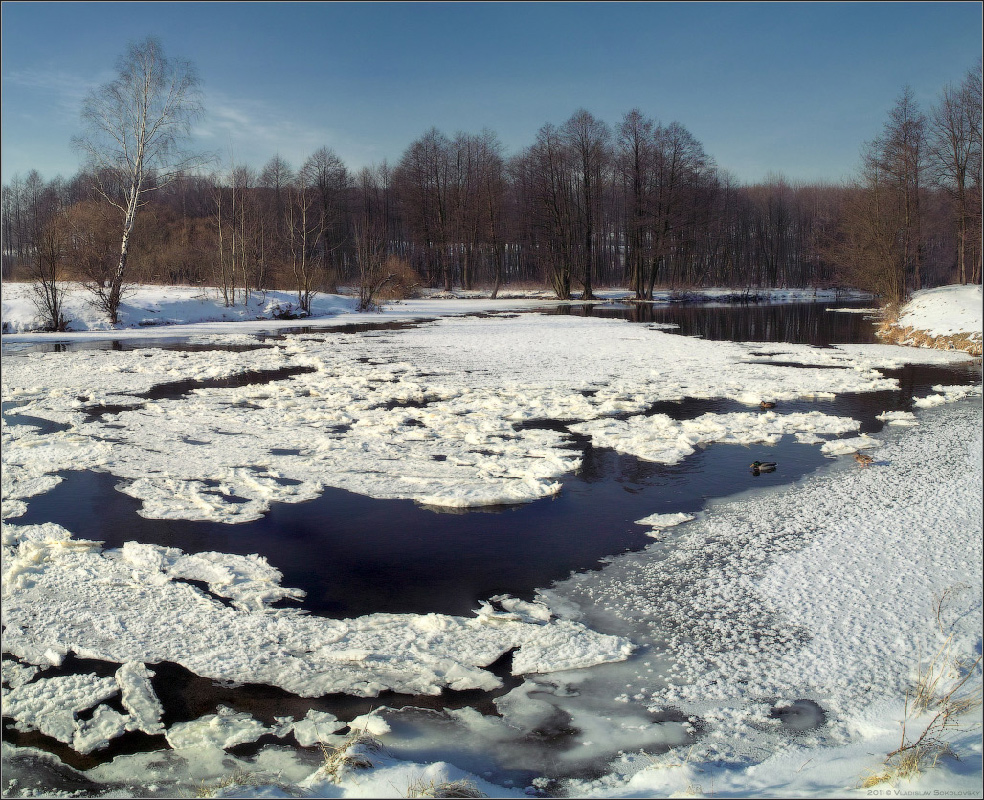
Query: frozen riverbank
x=828, y=591
x=780, y=625
x=945, y=318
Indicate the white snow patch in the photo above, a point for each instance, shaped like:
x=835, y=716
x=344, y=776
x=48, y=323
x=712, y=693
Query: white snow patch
x=947, y=394
x=375, y=417
x=224, y=729
x=903, y=418
x=945, y=311
x=317, y=726
x=665, y=520
x=825, y=591
x=50, y=705
x=842, y=447
x=665, y=440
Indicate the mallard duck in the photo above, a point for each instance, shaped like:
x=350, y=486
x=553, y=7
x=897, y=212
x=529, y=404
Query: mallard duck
x=768, y=404
x=762, y=466
x=863, y=459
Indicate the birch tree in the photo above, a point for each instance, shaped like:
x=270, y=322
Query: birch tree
x=135, y=129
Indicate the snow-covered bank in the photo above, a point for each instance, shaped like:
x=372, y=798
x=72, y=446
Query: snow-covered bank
x=946, y=318
x=828, y=591
x=146, y=306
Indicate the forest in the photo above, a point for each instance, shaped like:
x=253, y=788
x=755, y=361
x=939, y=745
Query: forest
x=639, y=204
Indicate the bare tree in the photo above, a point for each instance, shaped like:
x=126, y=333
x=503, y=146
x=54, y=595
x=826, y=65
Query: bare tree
x=545, y=176
x=326, y=175
x=490, y=201
x=871, y=247
x=92, y=240
x=664, y=174
x=14, y=240
x=636, y=161
x=135, y=128
x=955, y=158
x=305, y=228
x=586, y=138
x=901, y=150
x=48, y=240
x=369, y=236
x=423, y=179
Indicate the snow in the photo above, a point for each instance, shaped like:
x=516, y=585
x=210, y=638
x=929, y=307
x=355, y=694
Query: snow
x=947, y=394
x=841, y=447
x=147, y=311
x=898, y=417
x=662, y=439
x=52, y=705
x=317, y=726
x=946, y=318
x=222, y=730
x=765, y=647
x=151, y=307
x=830, y=591
x=131, y=604
x=665, y=520
x=945, y=311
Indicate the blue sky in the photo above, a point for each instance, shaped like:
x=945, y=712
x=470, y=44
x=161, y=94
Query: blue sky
x=782, y=88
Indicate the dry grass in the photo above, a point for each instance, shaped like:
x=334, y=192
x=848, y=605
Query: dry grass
x=947, y=688
x=461, y=788
x=940, y=601
x=892, y=333
x=352, y=753
x=402, y=282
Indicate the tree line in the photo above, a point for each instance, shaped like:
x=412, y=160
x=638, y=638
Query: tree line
x=639, y=205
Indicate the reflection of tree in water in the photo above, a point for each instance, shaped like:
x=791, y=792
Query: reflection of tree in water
x=803, y=323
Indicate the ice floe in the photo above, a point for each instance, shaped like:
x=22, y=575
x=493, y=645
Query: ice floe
x=667, y=441
x=132, y=604
x=52, y=705
x=947, y=394
x=224, y=729
x=841, y=447
x=748, y=603
x=904, y=418
x=665, y=520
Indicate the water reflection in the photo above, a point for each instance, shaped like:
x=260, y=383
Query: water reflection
x=797, y=323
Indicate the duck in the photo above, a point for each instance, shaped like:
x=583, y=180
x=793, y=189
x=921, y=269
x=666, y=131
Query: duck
x=767, y=404
x=863, y=459
x=762, y=466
